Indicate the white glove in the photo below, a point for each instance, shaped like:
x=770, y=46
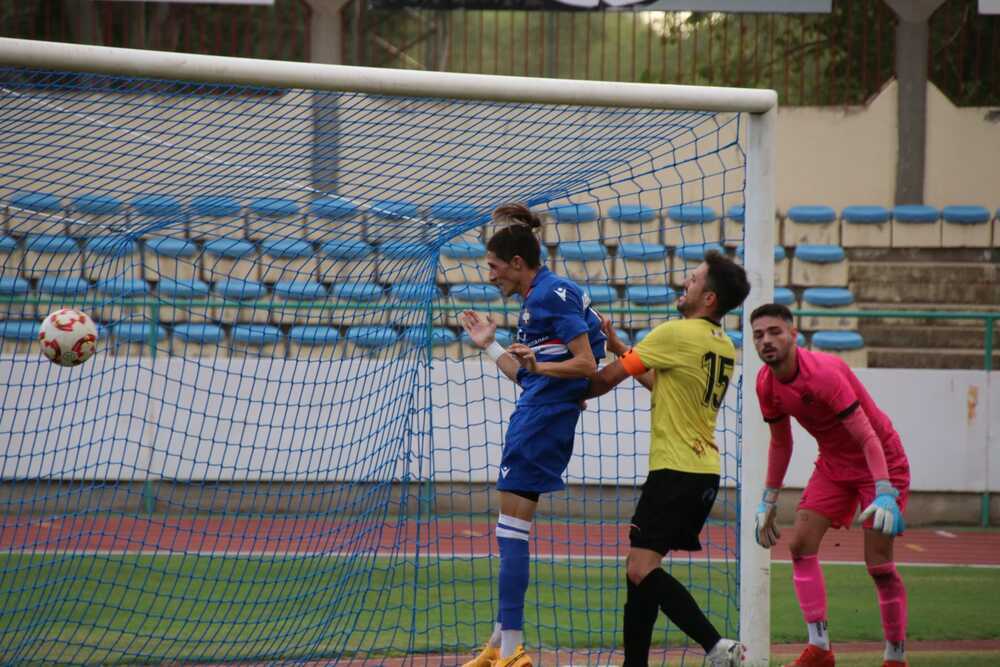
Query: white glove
x=888, y=518
x=765, y=531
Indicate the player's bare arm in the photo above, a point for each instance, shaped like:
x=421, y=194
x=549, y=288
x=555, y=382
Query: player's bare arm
x=482, y=332
x=580, y=365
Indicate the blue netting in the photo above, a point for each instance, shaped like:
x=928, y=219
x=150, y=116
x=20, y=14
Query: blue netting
x=284, y=448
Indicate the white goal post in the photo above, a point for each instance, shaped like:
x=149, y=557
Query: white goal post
x=760, y=106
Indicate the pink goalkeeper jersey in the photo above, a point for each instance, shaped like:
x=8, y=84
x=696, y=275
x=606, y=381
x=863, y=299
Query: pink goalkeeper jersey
x=824, y=391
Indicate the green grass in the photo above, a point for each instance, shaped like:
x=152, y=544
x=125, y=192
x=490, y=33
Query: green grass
x=108, y=609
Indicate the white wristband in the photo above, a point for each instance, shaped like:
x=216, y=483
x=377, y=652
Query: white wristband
x=496, y=350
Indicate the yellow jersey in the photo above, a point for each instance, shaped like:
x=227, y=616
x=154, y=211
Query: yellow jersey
x=694, y=361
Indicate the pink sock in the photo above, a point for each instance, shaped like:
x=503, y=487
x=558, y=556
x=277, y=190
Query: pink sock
x=809, y=587
x=891, y=600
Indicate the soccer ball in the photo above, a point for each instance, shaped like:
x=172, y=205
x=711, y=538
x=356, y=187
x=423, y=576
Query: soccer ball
x=68, y=337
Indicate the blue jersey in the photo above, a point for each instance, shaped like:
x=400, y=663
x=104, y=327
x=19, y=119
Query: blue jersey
x=555, y=312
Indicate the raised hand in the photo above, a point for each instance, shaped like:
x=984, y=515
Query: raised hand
x=482, y=330
x=615, y=344
x=888, y=517
x=525, y=356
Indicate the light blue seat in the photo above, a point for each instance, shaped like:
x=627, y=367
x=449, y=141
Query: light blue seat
x=966, y=227
x=443, y=341
x=239, y=297
x=343, y=259
x=198, y=340
x=688, y=257
x=813, y=215
x=229, y=258
x=819, y=266
x=215, y=217
x=865, y=215
x=916, y=214
x=584, y=261
x=157, y=215
x=916, y=226
x=631, y=223
x=294, y=293
x=112, y=294
x=848, y=345
x=333, y=217
x=601, y=295
x=640, y=297
x=827, y=297
x=647, y=263
x=404, y=260
x=571, y=223
x=274, y=218
x=71, y=292
x=12, y=286
x=95, y=213
x=51, y=255
x=691, y=224
x=784, y=296
x=832, y=299
x=286, y=259
x=392, y=219
x=359, y=302
x=11, y=256
x=369, y=340
x=257, y=339
x=313, y=342
x=19, y=337
x=866, y=227
x=177, y=300
x=412, y=300
x=481, y=297
x=133, y=338
x=463, y=261
x=31, y=212
x=737, y=338
x=107, y=257
x=811, y=225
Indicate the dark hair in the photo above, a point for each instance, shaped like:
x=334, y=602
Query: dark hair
x=517, y=236
x=772, y=310
x=728, y=280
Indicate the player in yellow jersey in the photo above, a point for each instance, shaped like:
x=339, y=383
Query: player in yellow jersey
x=688, y=365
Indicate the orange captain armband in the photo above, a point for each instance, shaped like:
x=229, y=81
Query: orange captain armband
x=632, y=363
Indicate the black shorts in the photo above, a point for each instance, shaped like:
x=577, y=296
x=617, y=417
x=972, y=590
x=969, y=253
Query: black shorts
x=672, y=510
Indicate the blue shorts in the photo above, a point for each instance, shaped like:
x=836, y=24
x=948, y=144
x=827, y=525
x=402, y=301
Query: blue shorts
x=538, y=446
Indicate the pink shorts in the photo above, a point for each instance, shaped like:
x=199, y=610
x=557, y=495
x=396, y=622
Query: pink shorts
x=840, y=501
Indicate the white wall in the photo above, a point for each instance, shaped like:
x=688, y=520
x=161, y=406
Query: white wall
x=245, y=419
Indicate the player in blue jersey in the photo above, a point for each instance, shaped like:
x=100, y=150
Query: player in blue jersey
x=559, y=341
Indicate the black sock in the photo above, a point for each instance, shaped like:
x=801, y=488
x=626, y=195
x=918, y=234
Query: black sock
x=640, y=617
x=677, y=603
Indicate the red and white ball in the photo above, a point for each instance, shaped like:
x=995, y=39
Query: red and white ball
x=68, y=337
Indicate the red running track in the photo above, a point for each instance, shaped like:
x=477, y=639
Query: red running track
x=446, y=537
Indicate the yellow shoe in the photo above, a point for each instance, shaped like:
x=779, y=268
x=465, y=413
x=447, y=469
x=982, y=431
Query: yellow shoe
x=486, y=658
x=519, y=659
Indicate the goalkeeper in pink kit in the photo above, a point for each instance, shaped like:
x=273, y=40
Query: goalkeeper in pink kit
x=861, y=463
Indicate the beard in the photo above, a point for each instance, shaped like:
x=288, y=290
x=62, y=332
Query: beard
x=684, y=307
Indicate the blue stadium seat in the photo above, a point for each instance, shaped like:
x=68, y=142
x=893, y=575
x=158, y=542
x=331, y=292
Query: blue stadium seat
x=370, y=300
x=57, y=292
x=390, y=219
x=46, y=255
x=198, y=340
x=177, y=299
x=313, y=342
x=216, y=217
x=332, y=218
x=830, y=299
x=238, y=297
x=297, y=293
x=157, y=215
x=603, y=298
x=258, y=340
x=480, y=297
x=111, y=296
x=106, y=257
x=96, y=214
x=31, y=212
x=811, y=225
x=966, y=227
x=866, y=227
x=404, y=261
x=688, y=257
x=631, y=223
x=782, y=267
x=646, y=296
x=346, y=259
x=916, y=226
x=411, y=301
x=19, y=337
x=445, y=216
x=171, y=257
x=286, y=259
x=11, y=256
x=270, y=218
x=132, y=339
x=222, y=259
x=12, y=286
x=370, y=341
x=584, y=261
x=571, y=223
x=642, y=263
x=819, y=266
x=784, y=296
x=848, y=345
x=444, y=342
x=691, y=224
x=463, y=261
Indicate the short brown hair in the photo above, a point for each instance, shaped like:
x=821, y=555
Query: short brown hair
x=772, y=310
x=728, y=280
x=517, y=237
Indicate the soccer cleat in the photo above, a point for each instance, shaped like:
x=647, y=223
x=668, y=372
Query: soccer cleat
x=519, y=659
x=894, y=663
x=486, y=657
x=727, y=653
x=814, y=656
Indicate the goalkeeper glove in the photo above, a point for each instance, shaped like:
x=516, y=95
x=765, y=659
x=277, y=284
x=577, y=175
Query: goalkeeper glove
x=888, y=519
x=765, y=532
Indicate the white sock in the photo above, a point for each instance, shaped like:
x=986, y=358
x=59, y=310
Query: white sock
x=818, y=635
x=494, y=641
x=895, y=651
x=509, y=641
